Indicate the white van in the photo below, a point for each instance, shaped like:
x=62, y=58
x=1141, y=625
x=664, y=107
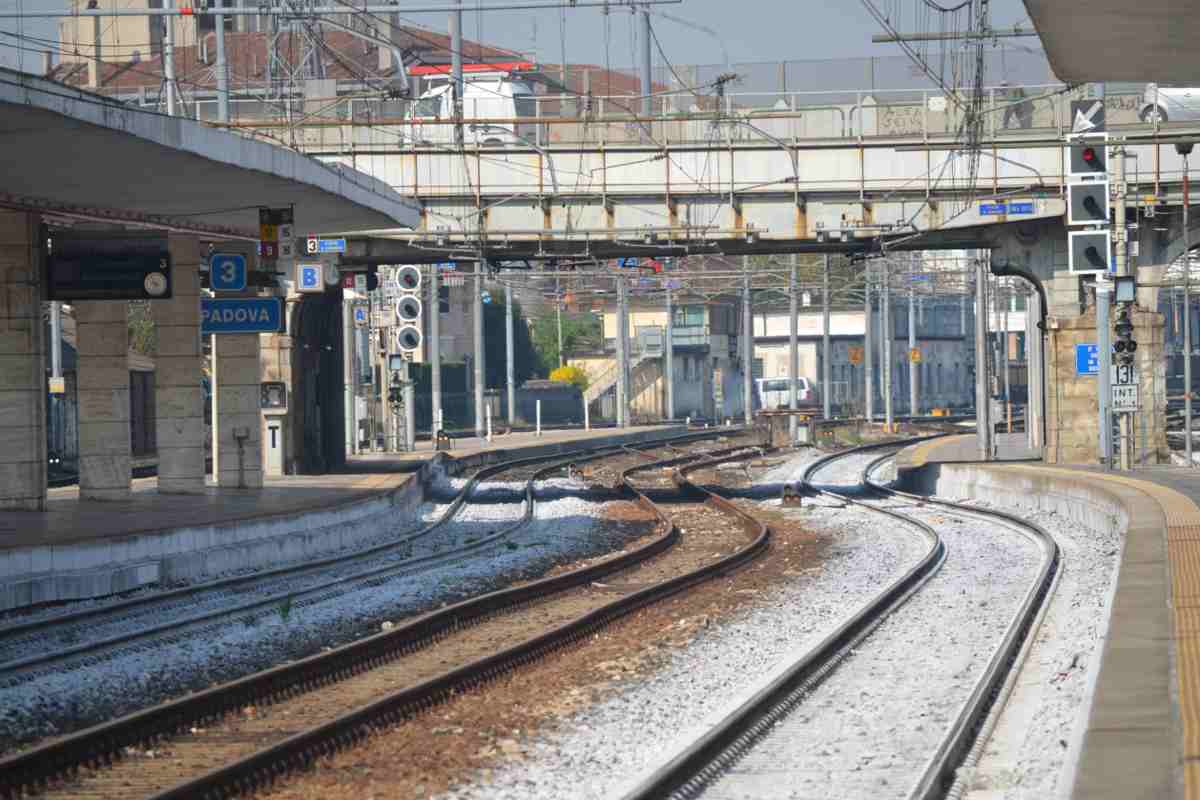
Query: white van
x=774, y=393
x=484, y=97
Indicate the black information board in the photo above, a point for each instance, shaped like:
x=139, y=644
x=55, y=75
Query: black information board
x=126, y=265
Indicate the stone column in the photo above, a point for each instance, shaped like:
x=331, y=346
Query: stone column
x=236, y=371
x=179, y=397
x=102, y=342
x=22, y=367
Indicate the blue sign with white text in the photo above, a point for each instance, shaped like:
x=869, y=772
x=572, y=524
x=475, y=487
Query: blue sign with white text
x=992, y=209
x=1020, y=208
x=310, y=276
x=627, y=262
x=1087, y=359
x=241, y=315
x=227, y=272
x=331, y=245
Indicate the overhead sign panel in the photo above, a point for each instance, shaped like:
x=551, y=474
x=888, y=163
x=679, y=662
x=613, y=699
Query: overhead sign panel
x=240, y=315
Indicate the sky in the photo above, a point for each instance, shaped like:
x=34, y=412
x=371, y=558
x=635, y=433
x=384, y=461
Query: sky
x=750, y=30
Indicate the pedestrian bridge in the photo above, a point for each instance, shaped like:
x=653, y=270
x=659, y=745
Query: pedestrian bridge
x=825, y=169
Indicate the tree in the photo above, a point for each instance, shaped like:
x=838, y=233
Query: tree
x=570, y=374
x=582, y=330
x=526, y=363
x=143, y=335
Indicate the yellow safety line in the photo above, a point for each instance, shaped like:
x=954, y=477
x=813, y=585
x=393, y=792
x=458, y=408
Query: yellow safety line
x=1183, y=556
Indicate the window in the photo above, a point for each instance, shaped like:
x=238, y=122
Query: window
x=756, y=370
x=775, y=385
x=429, y=106
x=206, y=23
x=689, y=316
x=443, y=299
x=525, y=104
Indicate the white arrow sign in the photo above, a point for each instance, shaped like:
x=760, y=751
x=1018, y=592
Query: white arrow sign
x=1084, y=122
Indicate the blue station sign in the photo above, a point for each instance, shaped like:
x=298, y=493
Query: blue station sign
x=241, y=315
x=1087, y=359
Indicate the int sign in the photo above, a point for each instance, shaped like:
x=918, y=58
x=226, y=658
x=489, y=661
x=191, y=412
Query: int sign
x=240, y=315
x=1124, y=388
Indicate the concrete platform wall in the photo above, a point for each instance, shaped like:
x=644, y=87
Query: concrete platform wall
x=33, y=575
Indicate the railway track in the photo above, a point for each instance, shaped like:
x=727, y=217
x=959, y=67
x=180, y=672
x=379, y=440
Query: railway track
x=42, y=643
x=779, y=737
x=241, y=735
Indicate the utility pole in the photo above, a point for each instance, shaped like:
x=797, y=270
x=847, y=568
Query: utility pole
x=456, y=73
x=868, y=346
x=169, y=61
x=1104, y=372
x=1004, y=288
x=97, y=59
x=886, y=323
x=510, y=372
x=435, y=350
x=983, y=423
x=479, y=379
x=647, y=68
x=223, y=76
x=747, y=346
x=826, y=352
x=1120, y=235
x=1185, y=150
x=558, y=316
x=348, y=380
x=913, y=367
x=669, y=358
x=622, y=357
x=793, y=348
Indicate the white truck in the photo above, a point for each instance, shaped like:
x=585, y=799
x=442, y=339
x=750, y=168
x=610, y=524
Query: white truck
x=486, y=97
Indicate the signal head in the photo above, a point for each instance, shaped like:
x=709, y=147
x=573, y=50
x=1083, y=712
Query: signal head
x=408, y=309
x=409, y=278
x=409, y=338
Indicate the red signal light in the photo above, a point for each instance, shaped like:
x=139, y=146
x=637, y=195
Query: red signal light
x=1089, y=154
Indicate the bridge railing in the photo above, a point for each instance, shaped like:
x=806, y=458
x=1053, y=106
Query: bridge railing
x=744, y=119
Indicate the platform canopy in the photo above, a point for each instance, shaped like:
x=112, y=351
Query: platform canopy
x=1116, y=40
x=76, y=153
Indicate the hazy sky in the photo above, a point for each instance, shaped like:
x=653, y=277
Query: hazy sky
x=751, y=30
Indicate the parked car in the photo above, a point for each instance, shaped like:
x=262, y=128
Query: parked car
x=1164, y=103
x=773, y=393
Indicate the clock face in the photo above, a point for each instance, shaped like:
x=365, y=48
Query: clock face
x=155, y=284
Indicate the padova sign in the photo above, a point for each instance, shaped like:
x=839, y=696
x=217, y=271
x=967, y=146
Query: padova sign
x=241, y=315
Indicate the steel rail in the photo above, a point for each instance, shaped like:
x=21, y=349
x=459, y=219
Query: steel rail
x=687, y=773
x=55, y=761
x=43, y=627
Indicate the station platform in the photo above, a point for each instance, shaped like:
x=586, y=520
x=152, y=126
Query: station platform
x=78, y=549
x=1142, y=738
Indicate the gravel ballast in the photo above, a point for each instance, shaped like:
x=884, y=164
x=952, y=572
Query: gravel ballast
x=594, y=752
x=563, y=530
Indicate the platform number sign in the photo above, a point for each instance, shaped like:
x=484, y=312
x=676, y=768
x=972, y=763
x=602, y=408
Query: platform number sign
x=227, y=272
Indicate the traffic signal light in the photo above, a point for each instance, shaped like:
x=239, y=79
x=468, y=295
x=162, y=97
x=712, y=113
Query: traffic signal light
x=408, y=309
x=395, y=396
x=1087, y=203
x=1088, y=157
x=372, y=278
x=1124, y=346
x=1090, y=251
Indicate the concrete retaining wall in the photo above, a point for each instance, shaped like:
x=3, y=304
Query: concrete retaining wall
x=1087, y=503
x=33, y=575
